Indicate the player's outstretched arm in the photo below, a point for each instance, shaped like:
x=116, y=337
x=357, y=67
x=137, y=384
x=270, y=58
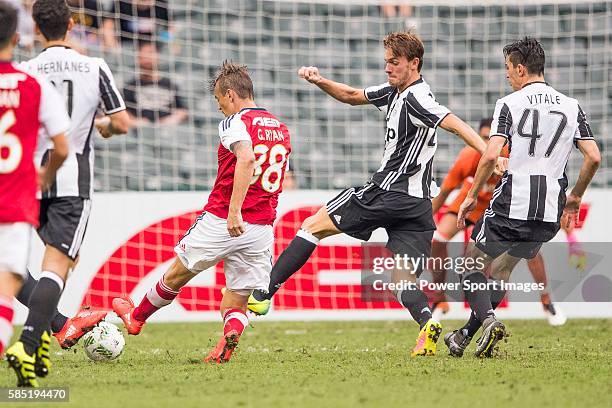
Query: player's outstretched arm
x=453, y=124
x=117, y=123
x=56, y=158
x=341, y=92
x=245, y=165
x=590, y=164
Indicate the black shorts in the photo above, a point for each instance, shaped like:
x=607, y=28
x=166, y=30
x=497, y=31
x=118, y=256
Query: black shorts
x=408, y=220
x=63, y=221
x=495, y=234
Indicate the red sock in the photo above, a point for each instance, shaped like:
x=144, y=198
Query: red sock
x=234, y=319
x=6, y=322
x=157, y=297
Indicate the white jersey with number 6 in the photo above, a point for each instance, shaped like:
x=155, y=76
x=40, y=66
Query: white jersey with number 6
x=86, y=83
x=541, y=125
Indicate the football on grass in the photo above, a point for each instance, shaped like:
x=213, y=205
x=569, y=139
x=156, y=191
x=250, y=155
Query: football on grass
x=105, y=342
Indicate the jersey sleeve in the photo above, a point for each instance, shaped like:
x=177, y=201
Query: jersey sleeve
x=423, y=106
x=502, y=120
x=52, y=111
x=379, y=95
x=583, y=131
x=111, y=99
x=231, y=130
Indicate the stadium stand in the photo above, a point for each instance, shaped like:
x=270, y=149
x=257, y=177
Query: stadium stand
x=335, y=146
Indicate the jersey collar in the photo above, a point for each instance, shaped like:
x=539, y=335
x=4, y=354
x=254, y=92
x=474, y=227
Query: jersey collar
x=535, y=82
x=57, y=45
x=418, y=81
x=258, y=108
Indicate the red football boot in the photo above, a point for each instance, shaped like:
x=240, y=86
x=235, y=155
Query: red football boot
x=224, y=348
x=124, y=307
x=77, y=326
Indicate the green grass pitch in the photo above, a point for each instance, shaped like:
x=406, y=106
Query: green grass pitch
x=338, y=364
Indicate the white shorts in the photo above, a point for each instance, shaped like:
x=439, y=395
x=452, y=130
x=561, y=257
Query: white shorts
x=15, y=247
x=247, y=258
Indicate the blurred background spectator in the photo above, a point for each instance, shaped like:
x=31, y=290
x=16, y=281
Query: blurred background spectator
x=136, y=20
x=151, y=97
x=87, y=16
x=25, y=25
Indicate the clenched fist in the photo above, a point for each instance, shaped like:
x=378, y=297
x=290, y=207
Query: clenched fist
x=311, y=74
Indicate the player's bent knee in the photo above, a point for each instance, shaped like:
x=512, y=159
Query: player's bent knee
x=320, y=225
x=10, y=283
x=57, y=262
x=178, y=275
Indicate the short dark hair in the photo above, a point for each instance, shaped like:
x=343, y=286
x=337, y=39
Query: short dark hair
x=527, y=52
x=52, y=17
x=8, y=23
x=405, y=44
x=485, y=122
x=147, y=41
x=235, y=77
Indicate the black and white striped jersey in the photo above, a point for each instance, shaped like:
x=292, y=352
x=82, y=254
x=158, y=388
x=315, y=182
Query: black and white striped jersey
x=541, y=124
x=85, y=83
x=410, y=140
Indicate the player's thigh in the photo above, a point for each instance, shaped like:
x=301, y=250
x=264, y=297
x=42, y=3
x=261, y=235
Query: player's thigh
x=64, y=223
x=249, y=265
x=356, y=211
x=493, y=235
x=204, y=244
x=14, y=251
x=447, y=227
x=320, y=224
x=475, y=256
x=503, y=266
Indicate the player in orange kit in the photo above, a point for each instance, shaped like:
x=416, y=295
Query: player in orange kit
x=462, y=173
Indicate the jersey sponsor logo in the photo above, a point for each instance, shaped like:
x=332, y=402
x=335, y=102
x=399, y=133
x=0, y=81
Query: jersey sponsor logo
x=265, y=121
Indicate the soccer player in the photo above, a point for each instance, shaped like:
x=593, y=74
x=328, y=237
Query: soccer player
x=397, y=197
x=462, y=173
x=541, y=124
x=26, y=104
x=236, y=225
x=86, y=83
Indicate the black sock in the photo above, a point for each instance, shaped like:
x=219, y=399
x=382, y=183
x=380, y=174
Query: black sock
x=59, y=320
x=479, y=298
x=473, y=324
x=416, y=302
x=43, y=303
x=288, y=263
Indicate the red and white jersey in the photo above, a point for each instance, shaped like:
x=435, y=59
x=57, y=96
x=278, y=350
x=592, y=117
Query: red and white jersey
x=272, y=146
x=26, y=104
